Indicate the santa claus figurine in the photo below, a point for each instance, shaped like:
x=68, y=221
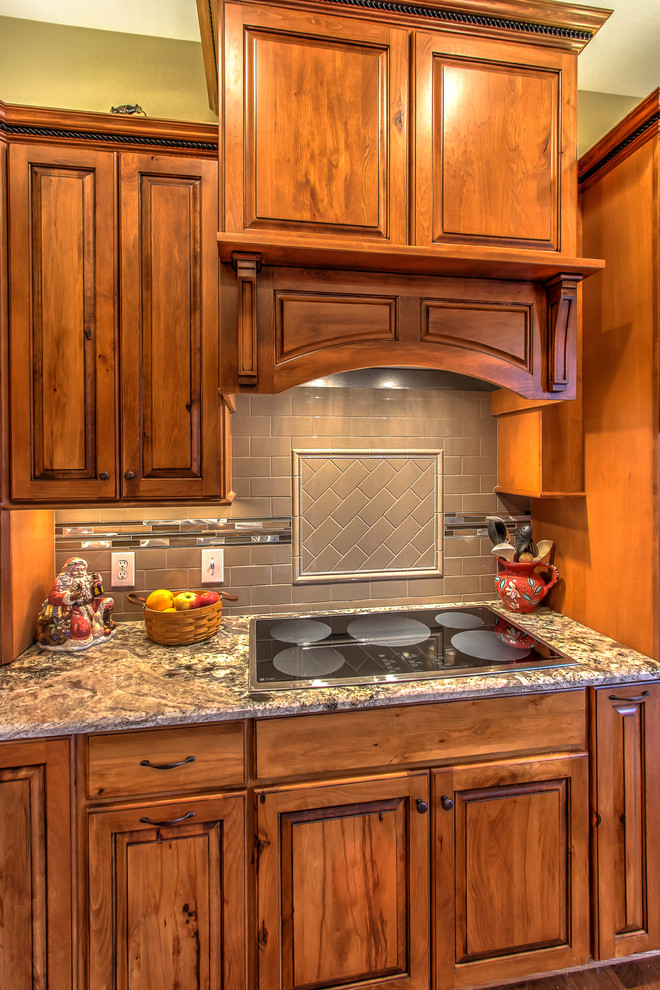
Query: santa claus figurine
x=75, y=615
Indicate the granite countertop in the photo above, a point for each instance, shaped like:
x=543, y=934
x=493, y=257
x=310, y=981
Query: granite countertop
x=131, y=682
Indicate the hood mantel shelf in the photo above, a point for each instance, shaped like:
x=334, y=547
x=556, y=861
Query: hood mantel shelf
x=458, y=260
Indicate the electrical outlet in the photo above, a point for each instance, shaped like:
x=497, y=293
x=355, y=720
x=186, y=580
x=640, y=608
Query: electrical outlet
x=122, y=570
x=213, y=566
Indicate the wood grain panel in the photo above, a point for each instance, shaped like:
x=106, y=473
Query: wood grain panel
x=308, y=322
x=434, y=733
x=620, y=413
x=495, y=147
x=35, y=867
x=167, y=901
x=499, y=330
x=116, y=760
x=493, y=138
x=166, y=911
x=28, y=567
x=333, y=98
x=367, y=847
x=514, y=848
x=521, y=825
x=315, y=123
x=626, y=799
x=169, y=328
x=62, y=326
x=22, y=869
x=343, y=884
x=4, y=323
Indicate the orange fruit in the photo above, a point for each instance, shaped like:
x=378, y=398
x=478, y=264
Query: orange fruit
x=160, y=600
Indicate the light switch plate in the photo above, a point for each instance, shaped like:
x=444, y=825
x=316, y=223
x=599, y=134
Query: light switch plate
x=213, y=566
x=122, y=570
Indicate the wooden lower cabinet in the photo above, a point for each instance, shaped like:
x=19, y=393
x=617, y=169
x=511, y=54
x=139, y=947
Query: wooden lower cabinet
x=510, y=869
x=625, y=809
x=343, y=884
x=35, y=866
x=167, y=895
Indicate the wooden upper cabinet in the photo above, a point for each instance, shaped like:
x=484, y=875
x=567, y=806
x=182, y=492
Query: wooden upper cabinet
x=62, y=323
x=316, y=124
x=494, y=144
x=169, y=328
x=35, y=866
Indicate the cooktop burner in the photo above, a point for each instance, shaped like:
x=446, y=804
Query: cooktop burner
x=376, y=647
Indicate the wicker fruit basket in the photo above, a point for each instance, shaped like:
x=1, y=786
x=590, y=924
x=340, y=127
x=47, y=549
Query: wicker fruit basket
x=192, y=625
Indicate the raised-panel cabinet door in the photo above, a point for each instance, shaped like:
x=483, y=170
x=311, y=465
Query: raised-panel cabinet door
x=316, y=124
x=167, y=896
x=35, y=866
x=343, y=896
x=626, y=804
x=169, y=327
x=494, y=160
x=510, y=869
x=62, y=323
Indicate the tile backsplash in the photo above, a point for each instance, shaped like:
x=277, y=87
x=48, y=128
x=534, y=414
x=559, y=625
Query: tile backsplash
x=265, y=431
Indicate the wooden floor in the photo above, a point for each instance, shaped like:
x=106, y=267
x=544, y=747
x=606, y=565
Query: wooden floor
x=636, y=974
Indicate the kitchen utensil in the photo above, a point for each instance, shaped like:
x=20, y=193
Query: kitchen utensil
x=523, y=537
x=543, y=550
x=505, y=551
x=497, y=530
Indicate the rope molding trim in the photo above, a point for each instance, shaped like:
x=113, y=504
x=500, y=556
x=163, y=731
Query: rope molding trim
x=112, y=138
x=481, y=19
x=655, y=119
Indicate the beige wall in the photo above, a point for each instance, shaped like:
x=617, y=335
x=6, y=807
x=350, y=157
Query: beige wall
x=598, y=113
x=51, y=65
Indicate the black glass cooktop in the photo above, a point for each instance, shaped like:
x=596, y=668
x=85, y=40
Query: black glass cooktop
x=377, y=647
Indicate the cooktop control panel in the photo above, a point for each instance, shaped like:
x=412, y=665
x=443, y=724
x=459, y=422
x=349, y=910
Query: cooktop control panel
x=311, y=651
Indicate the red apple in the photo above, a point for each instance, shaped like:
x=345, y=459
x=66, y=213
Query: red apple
x=207, y=598
x=186, y=599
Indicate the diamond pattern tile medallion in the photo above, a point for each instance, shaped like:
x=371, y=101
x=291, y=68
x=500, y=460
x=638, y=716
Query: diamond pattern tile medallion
x=361, y=515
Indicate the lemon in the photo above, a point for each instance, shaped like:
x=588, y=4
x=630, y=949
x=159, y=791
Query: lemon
x=160, y=600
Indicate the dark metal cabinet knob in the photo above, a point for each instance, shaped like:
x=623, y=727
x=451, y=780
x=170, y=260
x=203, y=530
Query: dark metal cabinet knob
x=104, y=475
x=422, y=806
x=129, y=475
x=446, y=802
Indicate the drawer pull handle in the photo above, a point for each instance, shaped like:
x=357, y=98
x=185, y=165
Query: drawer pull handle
x=166, y=766
x=639, y=697
x=446, y=802
x=422, y=806
x=172, y=821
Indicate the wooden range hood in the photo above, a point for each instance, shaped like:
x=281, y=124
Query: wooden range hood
x=398, y=187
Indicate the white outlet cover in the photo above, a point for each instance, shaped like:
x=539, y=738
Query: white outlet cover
x=122, y=569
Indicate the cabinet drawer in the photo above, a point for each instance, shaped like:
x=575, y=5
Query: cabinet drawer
x=163, y=760
x=433, y=733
